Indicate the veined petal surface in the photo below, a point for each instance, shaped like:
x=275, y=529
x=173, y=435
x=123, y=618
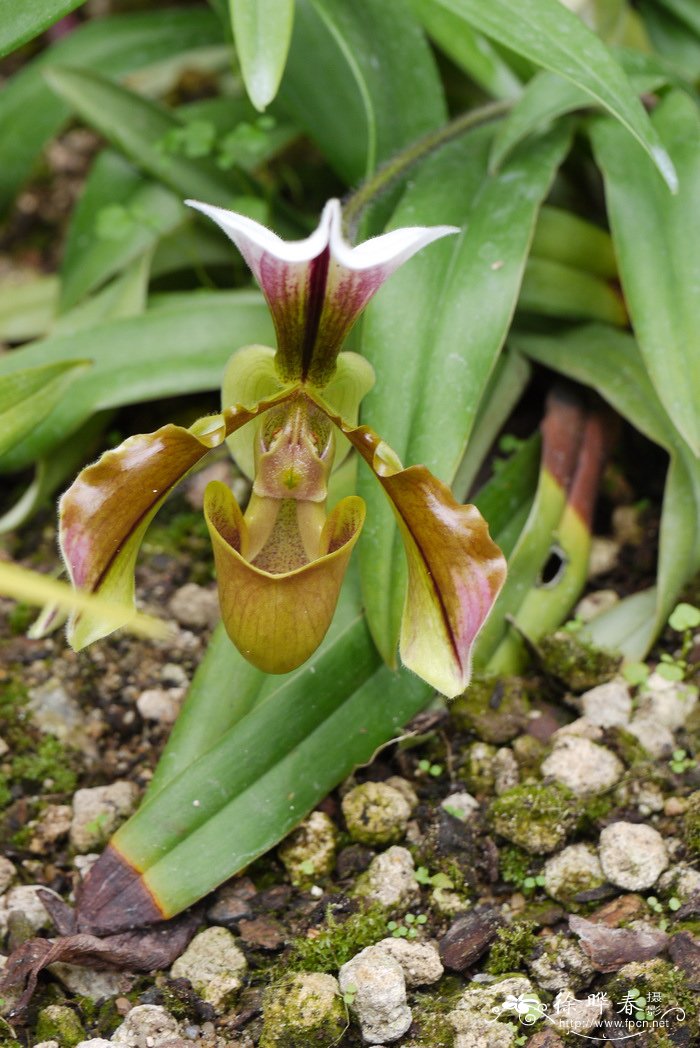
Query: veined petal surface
x=317, y=287
x=455, y=570
x=104, y=514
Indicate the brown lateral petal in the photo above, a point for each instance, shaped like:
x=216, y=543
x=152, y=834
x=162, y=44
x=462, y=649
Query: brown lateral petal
x=278, y=620
x=455, y=570
x=105, y=513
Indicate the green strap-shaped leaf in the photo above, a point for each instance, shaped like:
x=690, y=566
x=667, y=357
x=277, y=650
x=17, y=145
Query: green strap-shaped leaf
x=548, y=96
x=119, y=216
x=506, y=384
x=686, y=11
x=27, y=396
x=609, y=361
x=473, y=53
x=226, y=687
x=556, y=290
x=567, y=238
x=671, y=39
x=182, y=345
x=27, y=308
x=334, y=719
x=139, y=128
x=546, y=32
x=54, y=470
x=346, y=80
x=29, y=111
x=657, y=239
x=21, y=22
x=439, y=325
x=506, y=498
x=262, y=30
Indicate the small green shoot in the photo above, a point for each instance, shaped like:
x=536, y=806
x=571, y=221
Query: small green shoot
x=671, y=668
x=427, y=768
x=350, y=994
x=454, y=812
x=407, y=928
x=636, y=673
x=436, y=880
x=531, y=884
x=684, y=617
x=681, y=762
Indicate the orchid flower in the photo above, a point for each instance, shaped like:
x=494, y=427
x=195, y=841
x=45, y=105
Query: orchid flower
x=287, y=413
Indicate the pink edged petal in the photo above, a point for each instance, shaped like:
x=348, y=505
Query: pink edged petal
x=455, y=570
x=104, y=514
x=291, y=275
x=316, y=288
x=278, y=620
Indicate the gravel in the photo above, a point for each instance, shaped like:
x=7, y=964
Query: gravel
x=633, y=855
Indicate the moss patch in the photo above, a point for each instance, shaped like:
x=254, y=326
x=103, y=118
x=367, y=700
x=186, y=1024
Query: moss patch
x=691, y=824
x=536, y=817
x=575, y=662
x=494, y=709
x=334, y=942
x=513, y=944
x=36, y=759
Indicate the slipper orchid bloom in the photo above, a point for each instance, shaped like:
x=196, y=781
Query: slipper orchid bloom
x=280, y=565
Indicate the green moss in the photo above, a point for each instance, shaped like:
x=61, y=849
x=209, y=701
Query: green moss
x=303, y=1010
x=691, y=824
x=59, y=1023
x=36, y=758
x=513, y=944
x=515, y=864
x=495, y=709
x=20, y=618
x=528, y=752
x=626, y=746
x=375, y=813
x=596, y=807
x=478, y=770
x=576, y=662
x=536, y=817
x=434, y=1028
x=48, y=761
x=659, y=977
x=335, y=942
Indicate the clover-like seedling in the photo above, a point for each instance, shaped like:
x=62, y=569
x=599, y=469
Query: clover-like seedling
x=350, y=994
x=428, y=768
x=531, y=884
x=636, y=673
x=407, y=928
x=681, y=762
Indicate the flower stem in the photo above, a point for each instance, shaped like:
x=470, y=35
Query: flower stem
x=385, y=176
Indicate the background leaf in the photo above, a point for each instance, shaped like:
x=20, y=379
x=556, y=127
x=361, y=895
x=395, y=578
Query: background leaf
x=440, y=323
x=139, y=128
x=546, y=32
x=548, y=96
x=21, y=22
x=657, y=240
x=262, y=30
x=346, y=79
x=30, y=114
x=610, y=362
x=469, y=50
x=184, y=344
